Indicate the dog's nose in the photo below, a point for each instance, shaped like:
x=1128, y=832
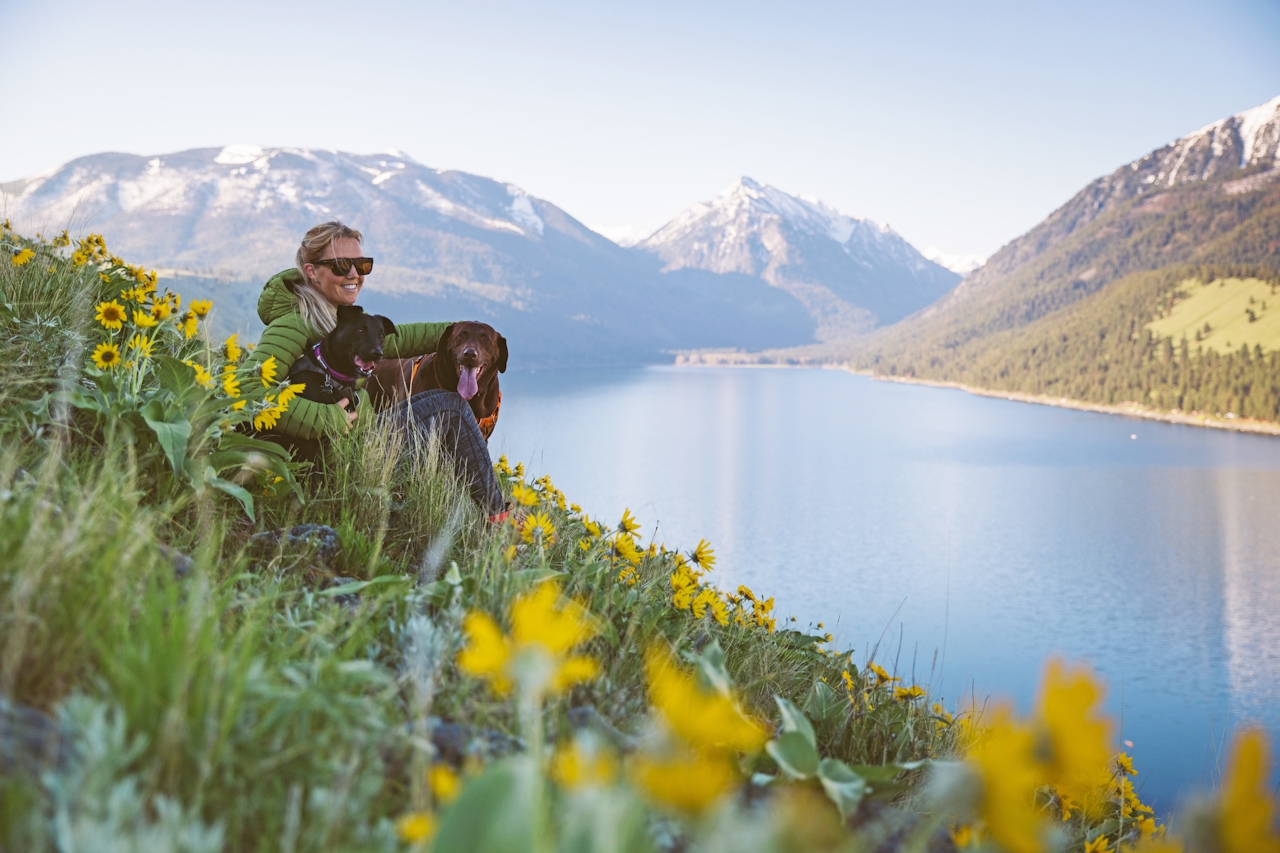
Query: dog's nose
x=376, y=354
x=470, y=352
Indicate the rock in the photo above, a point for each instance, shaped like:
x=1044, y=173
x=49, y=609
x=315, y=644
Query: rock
x=455, y=742
x=350, y=599
x=182, y=564
x=30, y=741
x=319, y=539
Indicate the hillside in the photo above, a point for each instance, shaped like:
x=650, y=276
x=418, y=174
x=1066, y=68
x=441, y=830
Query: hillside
x=1210, y=200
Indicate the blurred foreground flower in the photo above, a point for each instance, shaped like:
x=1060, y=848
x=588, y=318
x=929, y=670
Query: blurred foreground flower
x=544, y=629
x=694, y=764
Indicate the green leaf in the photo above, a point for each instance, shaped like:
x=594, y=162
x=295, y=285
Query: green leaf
x=794, y=754
x=234, y=440
x=494, y=813
x=246, y=500
x=178, y=378
x=358, y=586
x=534, y=576
x=822, y=703
x=794, y=720
x=172, y=430
x=710, y=664
x=845, y=788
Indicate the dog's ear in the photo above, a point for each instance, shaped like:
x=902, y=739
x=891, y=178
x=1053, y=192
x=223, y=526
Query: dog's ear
x=349, y=313
x=502, y=354
x=442, y=345
x=388, y=327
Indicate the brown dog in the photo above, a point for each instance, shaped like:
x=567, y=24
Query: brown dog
x=467, y=360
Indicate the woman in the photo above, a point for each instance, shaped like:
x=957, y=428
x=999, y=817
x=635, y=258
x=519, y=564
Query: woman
x=299, y=307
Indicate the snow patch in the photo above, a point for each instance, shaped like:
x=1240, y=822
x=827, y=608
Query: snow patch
x=234, y=155
x=1252, y=122
x=522, y=209
x=624, y=235
x=962, y=264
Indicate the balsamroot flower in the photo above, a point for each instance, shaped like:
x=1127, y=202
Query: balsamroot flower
x=106, y=356
x=232, y=347
x=1076, y=733
x=696, y=765
x=144, y=320
x=1004, y=759
x=544, y=630
x=22, y=257
x=1246, y=811
x=142, y=344
x=201, y=307
x=230, y=384
x=882, y=677
x=416, y=827
x=628, y=524
x=703, y=555
x=268, y=371
x=111, y=314
x=523, y=495
x=583, y=763
x=189, y=325
x=537, y=527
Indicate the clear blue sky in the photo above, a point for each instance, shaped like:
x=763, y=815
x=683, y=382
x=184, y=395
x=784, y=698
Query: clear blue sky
x=960, y=124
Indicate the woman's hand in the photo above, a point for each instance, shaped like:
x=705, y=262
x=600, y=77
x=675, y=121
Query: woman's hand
x=350, y=413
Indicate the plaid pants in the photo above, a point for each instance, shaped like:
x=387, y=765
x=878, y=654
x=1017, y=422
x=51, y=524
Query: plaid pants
x=447, y=415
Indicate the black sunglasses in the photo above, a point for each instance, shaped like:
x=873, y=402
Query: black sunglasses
x=341, y=266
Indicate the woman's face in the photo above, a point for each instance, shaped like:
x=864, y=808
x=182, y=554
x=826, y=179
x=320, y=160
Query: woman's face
x=338, y=289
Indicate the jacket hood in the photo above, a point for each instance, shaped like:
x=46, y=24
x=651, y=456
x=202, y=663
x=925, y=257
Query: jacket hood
x=278, y=296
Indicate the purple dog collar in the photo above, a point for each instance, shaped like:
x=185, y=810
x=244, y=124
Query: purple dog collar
x=341, y=377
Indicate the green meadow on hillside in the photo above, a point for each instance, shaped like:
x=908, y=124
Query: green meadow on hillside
x=1223, y=315
x=206, y=647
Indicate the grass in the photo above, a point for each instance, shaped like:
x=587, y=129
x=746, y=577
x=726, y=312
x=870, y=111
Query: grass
x=1224, y=314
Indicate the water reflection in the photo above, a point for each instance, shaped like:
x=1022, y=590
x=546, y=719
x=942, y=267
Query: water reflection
x=962, y=539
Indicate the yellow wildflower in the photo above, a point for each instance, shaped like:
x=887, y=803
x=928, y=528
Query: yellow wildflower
x=238, y=405
x=201, y=307
x=144, y=320
x=189, y=325
x=63, y=239
x=267, y=418
x=1005, y=763
x=230, y=384
x=22, y=257
x=593, y=528
x=1246, y=816
x=79, y=258
x=628, y=524
x=537, y=526
x=628, y=576
x=444, y=783
x=290, y=391
x=1124, y=764
x=1098, y=845
x=1078, y=734
x=268, y=371
x=416, y=827
x=625, y=547
x=502, y=466
x=690, y=783
x=882, y=677
x=111, y=314
x=915, y=691
x=576, y=767
x=106, y=356
x=964, y=835
x=703, y=720
x=202, y=374
x=848, y=681
x=703, y=555
x=539, y=629
x=142, y=344
x=232, y=347
x=524, y=495
x=161, y=310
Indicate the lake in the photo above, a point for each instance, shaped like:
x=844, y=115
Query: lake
x=963, y=539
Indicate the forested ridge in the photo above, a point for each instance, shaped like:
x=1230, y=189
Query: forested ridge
x=1068, y=317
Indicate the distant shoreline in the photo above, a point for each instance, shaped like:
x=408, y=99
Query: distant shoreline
x=1132, y=410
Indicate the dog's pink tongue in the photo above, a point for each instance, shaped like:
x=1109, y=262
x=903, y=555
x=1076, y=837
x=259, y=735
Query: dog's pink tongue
x=467, y=385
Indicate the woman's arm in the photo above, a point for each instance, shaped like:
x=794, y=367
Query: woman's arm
x=413, y=339
x=287, y=339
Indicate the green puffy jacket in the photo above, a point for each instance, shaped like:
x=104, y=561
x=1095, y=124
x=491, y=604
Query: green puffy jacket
x=288, y=336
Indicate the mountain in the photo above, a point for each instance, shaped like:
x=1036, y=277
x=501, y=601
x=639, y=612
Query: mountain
x=452, y=244
x=850, y=274
x=1072, y=307
x=448, y=244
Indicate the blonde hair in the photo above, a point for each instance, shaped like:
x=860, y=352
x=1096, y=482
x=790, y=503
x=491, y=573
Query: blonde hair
x=317, y=311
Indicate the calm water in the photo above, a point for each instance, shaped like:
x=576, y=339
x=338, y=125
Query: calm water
x=965, y=538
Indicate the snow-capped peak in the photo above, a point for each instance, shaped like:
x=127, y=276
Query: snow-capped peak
x=962, y=264
x=235, y=155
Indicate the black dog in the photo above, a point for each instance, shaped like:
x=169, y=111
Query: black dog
x=332, y=367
